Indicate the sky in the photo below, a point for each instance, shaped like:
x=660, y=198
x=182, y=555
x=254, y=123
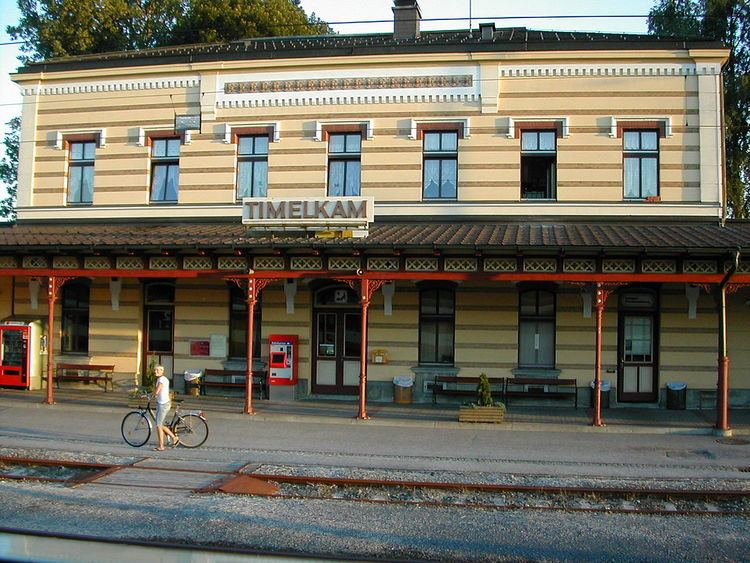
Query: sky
x=371, y=10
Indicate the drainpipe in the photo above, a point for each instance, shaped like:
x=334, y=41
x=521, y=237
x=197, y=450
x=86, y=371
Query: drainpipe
x=722, y=385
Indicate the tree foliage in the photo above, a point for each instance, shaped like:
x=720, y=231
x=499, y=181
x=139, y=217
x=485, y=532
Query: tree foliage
x=9, y=169
x=727, y=21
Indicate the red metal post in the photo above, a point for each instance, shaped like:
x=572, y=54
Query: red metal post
x=601, y=299
x=366, y=296
x=252, y=300
x=51, y=298
x=722, y=383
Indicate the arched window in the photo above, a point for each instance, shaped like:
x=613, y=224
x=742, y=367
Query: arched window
x=75, y=317
x=536, y=329
x=437, y=310
x=238, y=325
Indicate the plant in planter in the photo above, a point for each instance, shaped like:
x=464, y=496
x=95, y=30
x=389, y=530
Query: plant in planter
x=135, y=397
x=485, y=409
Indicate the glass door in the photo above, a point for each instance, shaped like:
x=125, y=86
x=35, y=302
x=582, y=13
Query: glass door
x=638, y=371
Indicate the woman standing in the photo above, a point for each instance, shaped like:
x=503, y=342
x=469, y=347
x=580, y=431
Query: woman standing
x=163, y=404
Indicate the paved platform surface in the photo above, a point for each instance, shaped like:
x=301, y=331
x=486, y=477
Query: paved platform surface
x=541, y=417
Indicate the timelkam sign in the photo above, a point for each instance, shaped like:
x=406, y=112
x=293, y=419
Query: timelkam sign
x=333, y=212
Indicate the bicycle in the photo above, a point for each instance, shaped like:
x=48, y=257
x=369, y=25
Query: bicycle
x=191, y=427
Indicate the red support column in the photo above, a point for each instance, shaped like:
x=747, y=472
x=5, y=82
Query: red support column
x=722, y=383
x=54, y=284
x=252, y=301
x=599, y=304
x=368, y=287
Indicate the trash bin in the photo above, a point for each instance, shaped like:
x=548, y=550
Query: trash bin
x=606, y=388
x=676, y=395
x=402, y=389
x=192, y=381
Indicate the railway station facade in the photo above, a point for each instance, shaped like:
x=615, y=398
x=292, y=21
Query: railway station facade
x=499, y=201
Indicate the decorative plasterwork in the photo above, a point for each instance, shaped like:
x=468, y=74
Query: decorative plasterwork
x=597, y=70
x=667, y=121
x=579, y=265
x=414, y=125
x=460, y=265
x=344, y=263
x=422, y=264
x=129, y=263
x=366, y=123
x=618, y=266
x=398, y=84
x=232, y=263
x=357, y=83
x=65, y=262
x=268, y=263
x=563, y=121
x=383, y=264
x=545, y=265
x=307, y=263
x=34, y=262
x=96, y=263
x=111, y=86
x=500, y=264
x=699, y=267
x=197, y=263
x=186, y=136
x=61, y=134
x=275, y=125
x=162, y=263
x=658, y=266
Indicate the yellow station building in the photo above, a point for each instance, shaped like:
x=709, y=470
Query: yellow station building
x=424, y=204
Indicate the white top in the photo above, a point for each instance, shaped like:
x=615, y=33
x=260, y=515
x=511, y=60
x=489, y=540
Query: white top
x=163, y=396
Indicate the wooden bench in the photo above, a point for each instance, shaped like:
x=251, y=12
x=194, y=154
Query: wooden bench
x=464, y=386
x=260, y=380
x=539, y=387
x=84, y=373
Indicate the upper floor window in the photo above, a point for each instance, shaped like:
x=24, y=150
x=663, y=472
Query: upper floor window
x=440, y=179
x=437, y=310
x=536, y=329
x=344, y=164
x=75, y=318
x=165, y=169
x=81, y=171
x=539, y=164
x=641, y=163
x=252, y=166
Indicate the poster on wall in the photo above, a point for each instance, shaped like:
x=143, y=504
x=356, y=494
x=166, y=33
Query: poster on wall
x=200, y=347
x=218, y=345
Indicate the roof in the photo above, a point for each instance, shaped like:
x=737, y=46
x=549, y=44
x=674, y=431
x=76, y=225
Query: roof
x=509, y=237
x=458, y=41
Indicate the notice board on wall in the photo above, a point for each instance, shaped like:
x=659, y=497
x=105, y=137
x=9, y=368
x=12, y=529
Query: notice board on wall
x=200, y=347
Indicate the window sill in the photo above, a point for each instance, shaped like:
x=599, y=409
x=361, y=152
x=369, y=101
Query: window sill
x=79, y=203
x=163, y=202
x=438, y=199
x=536, y=372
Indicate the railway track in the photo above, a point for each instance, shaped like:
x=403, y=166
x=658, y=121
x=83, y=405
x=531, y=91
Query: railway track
x=147, y=473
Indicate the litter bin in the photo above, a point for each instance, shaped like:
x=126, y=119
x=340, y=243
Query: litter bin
x=402, y=389
x=606, y=388
x=192, y=381
x=676, y=395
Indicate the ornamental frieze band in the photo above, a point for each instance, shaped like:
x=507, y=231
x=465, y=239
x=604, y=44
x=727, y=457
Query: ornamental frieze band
x=320, y=84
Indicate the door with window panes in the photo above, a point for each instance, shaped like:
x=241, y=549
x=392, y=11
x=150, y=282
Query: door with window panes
x=158, y=317
x=638, y=319
x=337, y=338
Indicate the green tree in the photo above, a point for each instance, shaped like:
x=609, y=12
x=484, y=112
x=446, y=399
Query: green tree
x=727, y=21
x=9, y=169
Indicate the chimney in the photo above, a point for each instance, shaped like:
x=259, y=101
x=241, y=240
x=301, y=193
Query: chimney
x=487, y=30
x=406, y=17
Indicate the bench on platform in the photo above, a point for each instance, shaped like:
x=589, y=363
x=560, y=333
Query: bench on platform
x=464, y=386
x=85, y=373
x=234, y=378
x=542, y=388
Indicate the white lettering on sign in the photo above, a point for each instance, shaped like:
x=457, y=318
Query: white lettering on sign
x=331, y=212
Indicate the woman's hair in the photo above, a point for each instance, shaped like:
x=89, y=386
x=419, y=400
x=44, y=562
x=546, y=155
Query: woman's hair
x=157, y=366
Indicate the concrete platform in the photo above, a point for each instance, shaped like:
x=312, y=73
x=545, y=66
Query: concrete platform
x=521, y=417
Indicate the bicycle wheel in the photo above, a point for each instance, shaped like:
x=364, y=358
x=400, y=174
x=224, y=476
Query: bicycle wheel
x=191, y=429
x=136, y=429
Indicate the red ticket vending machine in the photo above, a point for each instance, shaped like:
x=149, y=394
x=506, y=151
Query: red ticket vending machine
x=282, y=359
x=20, y=360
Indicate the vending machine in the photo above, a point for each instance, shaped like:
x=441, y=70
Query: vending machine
x=20, y=354
x=282, y=366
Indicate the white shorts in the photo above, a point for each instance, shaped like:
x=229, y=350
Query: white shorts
x=162, y=409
